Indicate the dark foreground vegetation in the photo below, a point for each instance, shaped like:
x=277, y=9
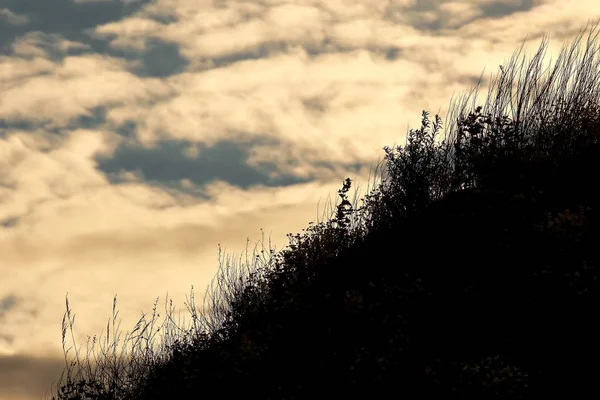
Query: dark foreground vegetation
x=472, y=272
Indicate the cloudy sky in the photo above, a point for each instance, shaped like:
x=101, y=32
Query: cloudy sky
x=136, y=136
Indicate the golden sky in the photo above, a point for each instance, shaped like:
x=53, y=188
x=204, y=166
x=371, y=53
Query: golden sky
x=136, y=136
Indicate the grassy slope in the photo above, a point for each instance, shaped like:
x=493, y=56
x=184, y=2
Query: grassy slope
x=473, y=273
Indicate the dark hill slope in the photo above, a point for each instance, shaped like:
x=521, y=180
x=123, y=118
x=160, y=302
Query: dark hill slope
x=489, y=292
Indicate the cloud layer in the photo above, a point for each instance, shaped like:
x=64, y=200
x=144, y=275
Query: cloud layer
x=136, y=136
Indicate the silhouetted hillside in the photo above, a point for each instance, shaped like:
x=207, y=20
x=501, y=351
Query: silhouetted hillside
x=473, y=273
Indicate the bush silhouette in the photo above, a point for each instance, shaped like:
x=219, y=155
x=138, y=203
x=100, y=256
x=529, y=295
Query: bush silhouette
x=471, y=272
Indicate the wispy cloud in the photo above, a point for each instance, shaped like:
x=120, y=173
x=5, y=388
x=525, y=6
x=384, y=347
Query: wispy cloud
x=12, y=18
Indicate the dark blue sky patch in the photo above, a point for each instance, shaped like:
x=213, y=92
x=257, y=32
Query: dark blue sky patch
x=9, y=222
x=49, y=21
x=127, y=129
x=95, y=120
x=412, y=15
x=7, y=303
x=60, y=16
x=393, y=53
x=25, y=125
x=160, y=59
x=499, y=9
x=166, y=163
x=63, y=17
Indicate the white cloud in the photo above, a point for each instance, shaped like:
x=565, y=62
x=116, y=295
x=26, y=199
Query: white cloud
x=75, y=86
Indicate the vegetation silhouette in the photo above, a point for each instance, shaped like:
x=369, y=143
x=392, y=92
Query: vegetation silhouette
x=471, y=272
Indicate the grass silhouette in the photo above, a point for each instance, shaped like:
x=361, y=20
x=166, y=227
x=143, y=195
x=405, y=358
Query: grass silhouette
x=470, y=272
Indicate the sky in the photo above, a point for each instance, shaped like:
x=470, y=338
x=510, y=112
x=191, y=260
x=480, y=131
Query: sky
x=137, y=136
